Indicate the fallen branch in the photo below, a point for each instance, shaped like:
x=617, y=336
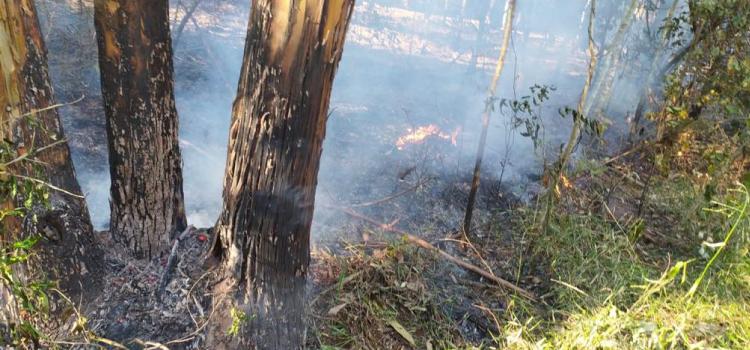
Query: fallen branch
x=172, y=262
x=624, y=154
x=396, y=195
x=424, y=244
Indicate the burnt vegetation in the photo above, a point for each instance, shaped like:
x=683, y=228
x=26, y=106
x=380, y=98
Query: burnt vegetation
x=382, y=174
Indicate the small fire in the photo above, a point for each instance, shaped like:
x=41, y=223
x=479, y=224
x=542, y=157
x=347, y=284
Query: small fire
x=565, y=182
x=422, y=133
x=454, y=135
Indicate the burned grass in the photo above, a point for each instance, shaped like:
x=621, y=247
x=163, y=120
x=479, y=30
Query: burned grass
x=398, y=296
x=133, y=311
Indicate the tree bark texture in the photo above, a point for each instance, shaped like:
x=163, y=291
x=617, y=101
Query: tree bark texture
x=135, y=59
x=67, y=249
x=276, y=134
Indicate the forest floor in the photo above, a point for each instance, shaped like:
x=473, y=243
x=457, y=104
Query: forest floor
x=611, y=272
x=615, y=270
x=361, y=276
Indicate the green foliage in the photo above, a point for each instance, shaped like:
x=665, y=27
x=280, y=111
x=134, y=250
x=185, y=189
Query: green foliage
x=736, y=210
x=607, y=297
x=239, y=319
x=388, y=299
x=590, y=126
x=715, y=74
x=527, y=112
x=21, y=190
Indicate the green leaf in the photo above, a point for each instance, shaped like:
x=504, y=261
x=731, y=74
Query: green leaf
x=29, y=202
x=43, y=301
x=732, y=109
x=402, y=331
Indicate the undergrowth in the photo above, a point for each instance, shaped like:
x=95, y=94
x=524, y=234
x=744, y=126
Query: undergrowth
x=606, y=295
x=603, y=288
x=382, y=298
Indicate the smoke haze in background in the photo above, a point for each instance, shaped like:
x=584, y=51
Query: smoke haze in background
x=403, y=67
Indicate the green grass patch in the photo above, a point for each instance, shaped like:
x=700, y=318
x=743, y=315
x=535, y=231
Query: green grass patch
x=605, y=295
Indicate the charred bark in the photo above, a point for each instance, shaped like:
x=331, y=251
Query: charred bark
x=135, y=59
x=67, y=250
x=275, y=141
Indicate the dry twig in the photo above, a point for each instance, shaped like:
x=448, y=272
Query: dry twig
x=388, y=198
x=424, y=244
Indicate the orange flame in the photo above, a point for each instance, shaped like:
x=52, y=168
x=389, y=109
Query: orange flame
x=565, y=181
x=422, y=133
x=454, y=135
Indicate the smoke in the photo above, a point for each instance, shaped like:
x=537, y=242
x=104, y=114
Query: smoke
x=405, y=64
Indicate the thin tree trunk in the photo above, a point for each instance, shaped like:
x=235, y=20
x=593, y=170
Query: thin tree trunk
x=135, y=59
x=511, y=5
x=67, y=249
x=613, y=61
x=181, y=27
x=612, y=53
x=576, y=131
x=650, y=77
x=275, y=142
x=577, y=124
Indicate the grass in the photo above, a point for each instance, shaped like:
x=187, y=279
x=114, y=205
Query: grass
x=603, y=287
x=382, y=299
x=608, y=297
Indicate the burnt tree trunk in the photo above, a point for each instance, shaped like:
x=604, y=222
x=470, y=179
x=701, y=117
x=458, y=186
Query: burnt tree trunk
x=276, y=134
x=67, y=250
x=135, y=59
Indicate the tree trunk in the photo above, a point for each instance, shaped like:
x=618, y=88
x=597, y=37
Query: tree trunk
x=275, y=142
x=606, y=74
x=651, y=72
x=135, y=59
x=575, y=132
x=67, y=250
x=488, y=109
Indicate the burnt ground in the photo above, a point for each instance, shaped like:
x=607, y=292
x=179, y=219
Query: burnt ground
x=358, y=266
x=362, y=278
x=371, y=108
x=135, y=307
